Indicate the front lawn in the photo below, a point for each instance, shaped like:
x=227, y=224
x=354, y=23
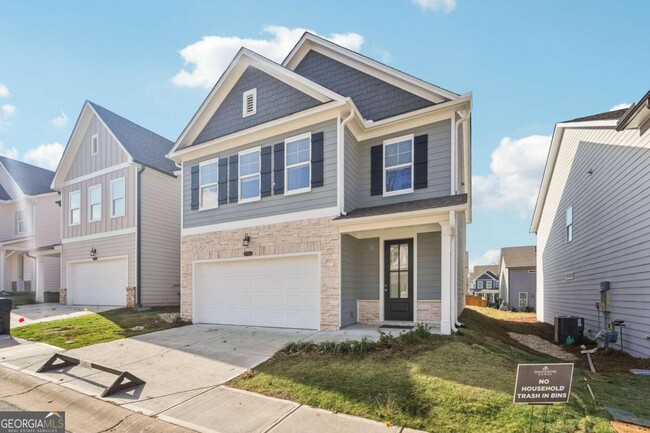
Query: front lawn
x=446, y=384
x=100, y=327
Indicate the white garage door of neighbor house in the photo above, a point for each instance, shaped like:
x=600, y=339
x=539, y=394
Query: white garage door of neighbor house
x=100, y=282
x=277, y=292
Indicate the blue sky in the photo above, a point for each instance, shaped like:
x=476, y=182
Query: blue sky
x=528, y=64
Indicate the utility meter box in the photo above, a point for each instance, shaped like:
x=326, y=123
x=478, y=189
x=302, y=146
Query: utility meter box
x=605, y=296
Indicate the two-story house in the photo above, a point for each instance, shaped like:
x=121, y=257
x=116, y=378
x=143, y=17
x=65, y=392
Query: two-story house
x=484, y=282
x=120, y=224
x=322, y=192
x=29, y=229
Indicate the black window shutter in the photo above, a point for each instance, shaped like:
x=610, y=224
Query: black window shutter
x=317, y=159
x=278, y=169
x=420, y=160
x=234, y=171
x=195, y=186
x=376, y=167
x=223, y=180
x=265, y=170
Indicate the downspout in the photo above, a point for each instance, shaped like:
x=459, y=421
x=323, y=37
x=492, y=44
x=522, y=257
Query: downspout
x=341, y=165
x=454, y=272
x=138, y=297
x=457, y=124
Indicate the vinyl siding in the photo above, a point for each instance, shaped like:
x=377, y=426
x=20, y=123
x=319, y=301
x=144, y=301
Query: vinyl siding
x=113, y=246
x=51, y=274
x=429, y=271
x=317, y=198
x=520, y=280
x=351, y=177
x=47, y=221
x=8, y=219
x=439, y=166
x=462, y=267
x=160, y=239
x=359, y=274
x=611, y=232
x=107, y=223
x=110, y=152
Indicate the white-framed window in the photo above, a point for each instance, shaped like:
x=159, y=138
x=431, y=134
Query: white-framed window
x=94, y=144
x=20, y=221
x=209, y=184
x=249, y=175
x=297, y=163
x=95, y=203
x=479, y=284
x=118, y=208
x=569, y=224
x=249, y=103
x=75, y=208
x=398, y=165
x=523, y=299
x=488, y=284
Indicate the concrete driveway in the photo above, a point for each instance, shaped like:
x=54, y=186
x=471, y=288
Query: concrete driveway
x=35, y=313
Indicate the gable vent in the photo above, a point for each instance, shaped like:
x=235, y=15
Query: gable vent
x=250, y=102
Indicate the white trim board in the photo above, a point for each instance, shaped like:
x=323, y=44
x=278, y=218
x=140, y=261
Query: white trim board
x=99, y=235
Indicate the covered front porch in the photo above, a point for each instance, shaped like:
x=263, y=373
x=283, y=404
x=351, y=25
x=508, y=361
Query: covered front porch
x=25, y=268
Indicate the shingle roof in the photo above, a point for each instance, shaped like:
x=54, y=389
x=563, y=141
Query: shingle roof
x=481, y=269
x=519, y=257
x=3, y=194
x=31, y=180
x=608, y=115
x=407, y=206
x=146, y=147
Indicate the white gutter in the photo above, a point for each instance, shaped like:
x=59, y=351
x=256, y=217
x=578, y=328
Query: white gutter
x=341, y=160
x=454, y=155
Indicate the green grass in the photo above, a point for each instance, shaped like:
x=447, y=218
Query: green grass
x=443, y=384
x=20, y=298
x=97, y=327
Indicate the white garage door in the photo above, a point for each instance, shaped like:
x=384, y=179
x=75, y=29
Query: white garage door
x=278, y=292
x=100, y=282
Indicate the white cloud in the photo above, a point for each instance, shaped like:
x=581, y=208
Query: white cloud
x=45, y=155
x=516, y=171
x=4, y=92
x=620, y=106
x=7, y=111
x=60, y=121
x=9, y=152
x=207, y=59
x=490, y=257
x=436, y=5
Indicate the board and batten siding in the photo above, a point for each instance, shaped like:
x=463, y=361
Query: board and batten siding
x=611, y=233
x=317, y=198
x=359, y=274
x=438, y=171
x=112, y=246
x=110, y=152
x=160, y=239
x=351, y=178
x=106, y=223
x=429, y=270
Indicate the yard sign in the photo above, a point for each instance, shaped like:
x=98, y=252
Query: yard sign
x=543, y=383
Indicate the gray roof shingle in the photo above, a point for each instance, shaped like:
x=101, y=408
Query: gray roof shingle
x=31, y=180
x=407, y=206
x=608, y=115
x=146, y=147
x=519, y=257
x=3, y=194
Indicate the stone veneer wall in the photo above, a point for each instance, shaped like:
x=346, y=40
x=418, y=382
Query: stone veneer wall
x=368, y=312
x=131, y=297
x=314, y=235
x=429, y=311
x=63, y=296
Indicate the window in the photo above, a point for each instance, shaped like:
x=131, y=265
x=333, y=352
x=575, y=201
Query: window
x=75, y=208
x=20, y=221
x=95, y=203
x=249, y=175
x=249, y=103
x=94, y=144
x=208, y=184
x=297, y=159
x=479, y=284
x=398, y=165
x=569, y=224
x=523, y=299
x=488, y=284
x=117, y=198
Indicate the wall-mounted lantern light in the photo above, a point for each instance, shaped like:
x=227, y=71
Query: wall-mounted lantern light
x=246, y=241
x=93, y=253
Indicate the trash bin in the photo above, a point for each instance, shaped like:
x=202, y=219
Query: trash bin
x=5, y=315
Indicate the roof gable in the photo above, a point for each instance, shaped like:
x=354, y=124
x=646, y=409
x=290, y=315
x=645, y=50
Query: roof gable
x=30, y=179
x=519, y=257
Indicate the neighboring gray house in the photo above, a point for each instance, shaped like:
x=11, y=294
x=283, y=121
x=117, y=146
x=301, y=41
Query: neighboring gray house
x=591, y=222
x=484, y=282
x=30, y=224
x=517, y=277
x=323, y=192
x=121, y=214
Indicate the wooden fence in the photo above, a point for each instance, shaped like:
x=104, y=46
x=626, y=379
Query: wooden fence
x=475, y=301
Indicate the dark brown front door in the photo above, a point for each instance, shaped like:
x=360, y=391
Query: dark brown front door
x=398, y=280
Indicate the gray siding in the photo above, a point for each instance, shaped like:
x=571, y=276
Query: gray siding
x=110, y=152
x=611, y=232
x=376, y=99
x=462, y=267
x=160, y=239
x=107, y=223
x=359, y=274
x=275, y=99
x=429, y=271
x=351, y=171
x=317, y=198
x=521, y=280
x=439, y=166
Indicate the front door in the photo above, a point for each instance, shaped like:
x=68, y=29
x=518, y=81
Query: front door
x=398, y=280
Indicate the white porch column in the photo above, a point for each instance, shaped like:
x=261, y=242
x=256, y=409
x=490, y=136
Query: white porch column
x=446, y=279
x=37, y=279
x=2, y=270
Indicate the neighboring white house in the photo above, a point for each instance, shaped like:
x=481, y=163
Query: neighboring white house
x=325, y=191
x=30, y=221
x=592, y=224
x=121, y=214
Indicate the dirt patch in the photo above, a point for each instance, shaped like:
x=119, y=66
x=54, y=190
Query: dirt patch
x=542, y=346
x=622, y=427
x=61, y=330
